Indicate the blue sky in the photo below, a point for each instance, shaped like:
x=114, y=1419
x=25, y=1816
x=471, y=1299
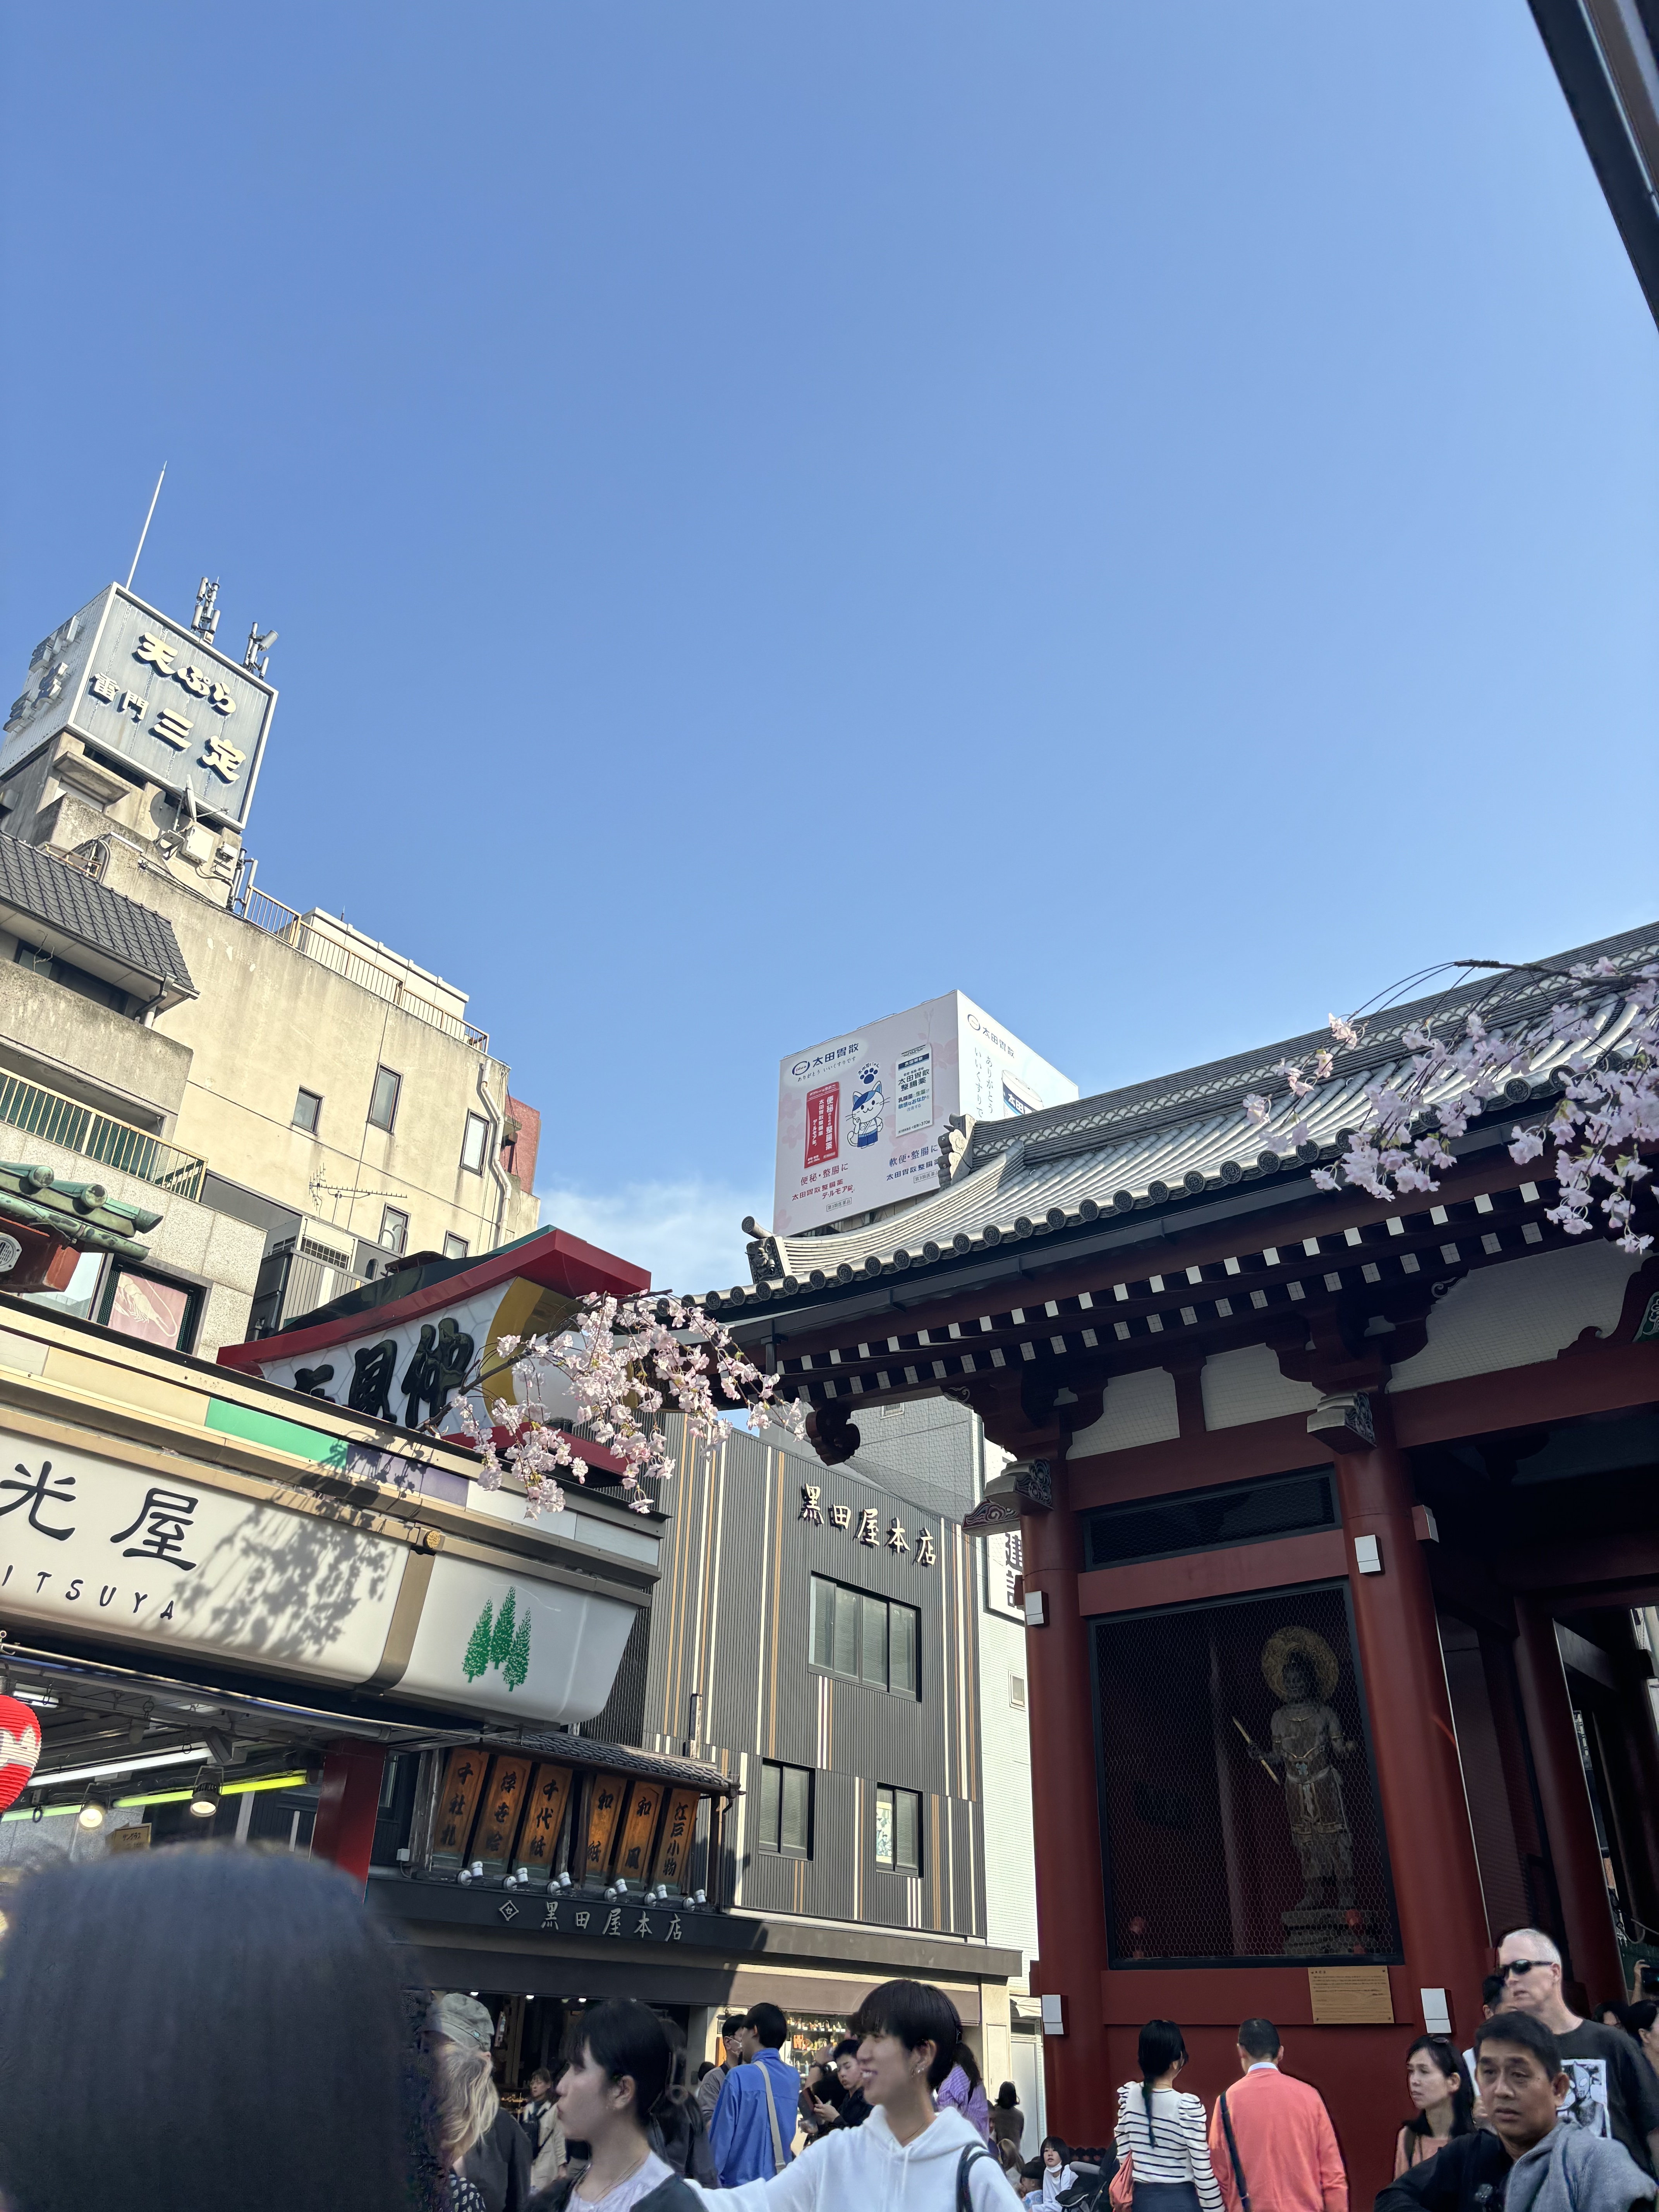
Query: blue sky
x=1145, y=515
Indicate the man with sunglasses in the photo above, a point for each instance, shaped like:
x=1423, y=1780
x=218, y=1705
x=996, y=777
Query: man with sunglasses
x=1628, y=2106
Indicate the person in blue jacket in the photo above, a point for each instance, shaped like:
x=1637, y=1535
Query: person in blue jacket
x=749, y=2140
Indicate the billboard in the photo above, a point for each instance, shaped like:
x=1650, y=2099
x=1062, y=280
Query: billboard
x=859, y=1117
x=147, y=693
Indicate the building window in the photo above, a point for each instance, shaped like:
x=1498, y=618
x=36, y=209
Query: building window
x=1017, y=1693
x=864, y=1638
x=307, y=1110
x=474, y=1144
x=394, y=1229
x=898, y=1830
x=455, y=1248
x=150, y=1308
x=785, y=1810
x=383, y=1104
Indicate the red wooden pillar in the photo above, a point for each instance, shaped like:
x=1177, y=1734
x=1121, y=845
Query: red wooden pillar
x=1070, y=1889
x=347, y=1806
x=1593, y=1950
x=1437, y=1881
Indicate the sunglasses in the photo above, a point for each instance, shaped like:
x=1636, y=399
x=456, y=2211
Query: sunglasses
x=1522, y=1966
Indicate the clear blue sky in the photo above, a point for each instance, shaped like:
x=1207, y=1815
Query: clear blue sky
x=1145, y=513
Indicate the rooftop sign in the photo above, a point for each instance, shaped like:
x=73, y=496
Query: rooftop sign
x=149, y=694
x=859, y=1117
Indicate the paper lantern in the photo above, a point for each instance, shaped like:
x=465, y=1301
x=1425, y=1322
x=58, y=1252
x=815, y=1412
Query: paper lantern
x=19, y=1747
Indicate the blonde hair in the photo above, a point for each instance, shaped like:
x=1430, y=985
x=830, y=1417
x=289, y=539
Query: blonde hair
x=467, y=2089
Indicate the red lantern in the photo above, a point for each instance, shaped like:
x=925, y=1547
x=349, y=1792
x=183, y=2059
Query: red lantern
x=20, y=1746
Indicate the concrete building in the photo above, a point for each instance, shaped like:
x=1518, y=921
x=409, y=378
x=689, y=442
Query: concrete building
x=299, y=1101
x=867, y=1710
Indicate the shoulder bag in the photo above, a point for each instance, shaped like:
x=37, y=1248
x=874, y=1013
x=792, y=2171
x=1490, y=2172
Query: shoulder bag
x=970, y=2159
x=1239, y=2182
x=772, y=2115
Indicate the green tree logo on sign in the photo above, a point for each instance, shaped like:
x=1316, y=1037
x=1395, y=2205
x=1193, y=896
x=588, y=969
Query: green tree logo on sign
x=500, y=1640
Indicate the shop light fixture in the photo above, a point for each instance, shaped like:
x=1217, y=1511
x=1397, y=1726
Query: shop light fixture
x=60, y=1778
x=296, y=1781
x=94, y=1806
x=205, y=1791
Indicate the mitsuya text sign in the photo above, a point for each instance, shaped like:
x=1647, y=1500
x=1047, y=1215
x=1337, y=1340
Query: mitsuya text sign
x=861, y=1116
x=93, y=1548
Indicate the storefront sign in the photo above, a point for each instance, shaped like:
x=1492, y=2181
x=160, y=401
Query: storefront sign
x=634, y=1852
x=503, y=1805
x=91, y=1547
x=674, y=1848
x=1005, y=1566
x=604, y=1812
x=864, y=1523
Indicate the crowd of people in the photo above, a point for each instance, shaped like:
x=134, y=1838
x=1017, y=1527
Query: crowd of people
x=257, y=2043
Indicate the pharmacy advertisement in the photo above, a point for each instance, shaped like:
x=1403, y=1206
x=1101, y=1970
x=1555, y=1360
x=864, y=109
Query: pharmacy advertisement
x=859, y=1117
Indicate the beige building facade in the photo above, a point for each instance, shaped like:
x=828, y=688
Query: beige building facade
x=161, y=1016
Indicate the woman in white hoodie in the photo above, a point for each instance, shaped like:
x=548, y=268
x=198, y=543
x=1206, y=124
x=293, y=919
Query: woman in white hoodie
x=907, y=2157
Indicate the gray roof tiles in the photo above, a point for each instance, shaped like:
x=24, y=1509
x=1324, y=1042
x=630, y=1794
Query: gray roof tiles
x=72, y=905
x=1151, y=1146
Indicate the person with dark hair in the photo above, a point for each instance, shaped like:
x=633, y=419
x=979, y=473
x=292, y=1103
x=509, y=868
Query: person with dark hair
x=1439, y=2088
x=196, y=1958
x=853, y=2110
x=821, y=2093
x=908, y=2156
x=1161, y=2130
x=1054, y=2172
x=540, y=2121
x=1521, y=2160
x=1271, y=2138
x=963, y=2091
x=710, y=2084
x=1007, y=2121
x=1615, y=2089
x=676, y=2129
x=486, y=2145
x=754, y=2122
x=1641, y=2022
x=607, y=2096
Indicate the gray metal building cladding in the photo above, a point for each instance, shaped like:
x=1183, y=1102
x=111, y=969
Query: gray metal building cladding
x=732, y=1620
x=1172, y=1142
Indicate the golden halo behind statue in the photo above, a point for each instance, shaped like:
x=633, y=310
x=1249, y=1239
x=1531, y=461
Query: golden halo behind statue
x=1306, y=1646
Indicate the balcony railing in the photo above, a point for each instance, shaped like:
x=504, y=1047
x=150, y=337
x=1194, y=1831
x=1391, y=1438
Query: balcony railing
x=101, y=1137
x=281, y=921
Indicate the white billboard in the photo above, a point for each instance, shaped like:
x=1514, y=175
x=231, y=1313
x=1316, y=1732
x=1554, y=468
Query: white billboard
x=859, y=1117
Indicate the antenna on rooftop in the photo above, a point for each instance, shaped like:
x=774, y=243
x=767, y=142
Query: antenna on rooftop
x=259, y=649
x=205, y=620
x=145, y=532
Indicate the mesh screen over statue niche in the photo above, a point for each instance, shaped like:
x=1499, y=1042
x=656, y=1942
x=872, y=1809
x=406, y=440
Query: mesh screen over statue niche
x=1239, y=1804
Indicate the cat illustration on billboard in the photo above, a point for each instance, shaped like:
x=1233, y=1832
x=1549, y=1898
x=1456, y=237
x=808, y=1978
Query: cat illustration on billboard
x=864, y=1122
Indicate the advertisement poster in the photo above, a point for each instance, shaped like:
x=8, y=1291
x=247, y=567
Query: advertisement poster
x=859, y=1117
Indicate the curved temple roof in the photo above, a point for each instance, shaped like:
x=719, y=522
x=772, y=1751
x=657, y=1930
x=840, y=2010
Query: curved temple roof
x=1175, y=1140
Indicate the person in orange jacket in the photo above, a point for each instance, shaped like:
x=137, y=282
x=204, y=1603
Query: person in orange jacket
x=1283, y=2154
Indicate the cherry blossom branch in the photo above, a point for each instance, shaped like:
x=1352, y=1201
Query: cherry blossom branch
x=1601, y=1046
x=624, y=1363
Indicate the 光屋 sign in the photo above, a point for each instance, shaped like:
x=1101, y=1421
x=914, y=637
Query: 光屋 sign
x=130, y=684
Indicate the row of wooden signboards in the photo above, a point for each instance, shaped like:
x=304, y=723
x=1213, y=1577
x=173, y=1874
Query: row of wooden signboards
x=509, y=1811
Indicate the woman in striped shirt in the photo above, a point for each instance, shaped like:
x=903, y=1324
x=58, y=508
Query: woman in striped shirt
x=1162, y=2130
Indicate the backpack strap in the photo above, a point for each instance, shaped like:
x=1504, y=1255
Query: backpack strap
x=970, y=2159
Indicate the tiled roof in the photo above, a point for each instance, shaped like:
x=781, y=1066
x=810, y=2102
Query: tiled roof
x=1155, y=1145
x=82, y=1213
x=68, y=901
